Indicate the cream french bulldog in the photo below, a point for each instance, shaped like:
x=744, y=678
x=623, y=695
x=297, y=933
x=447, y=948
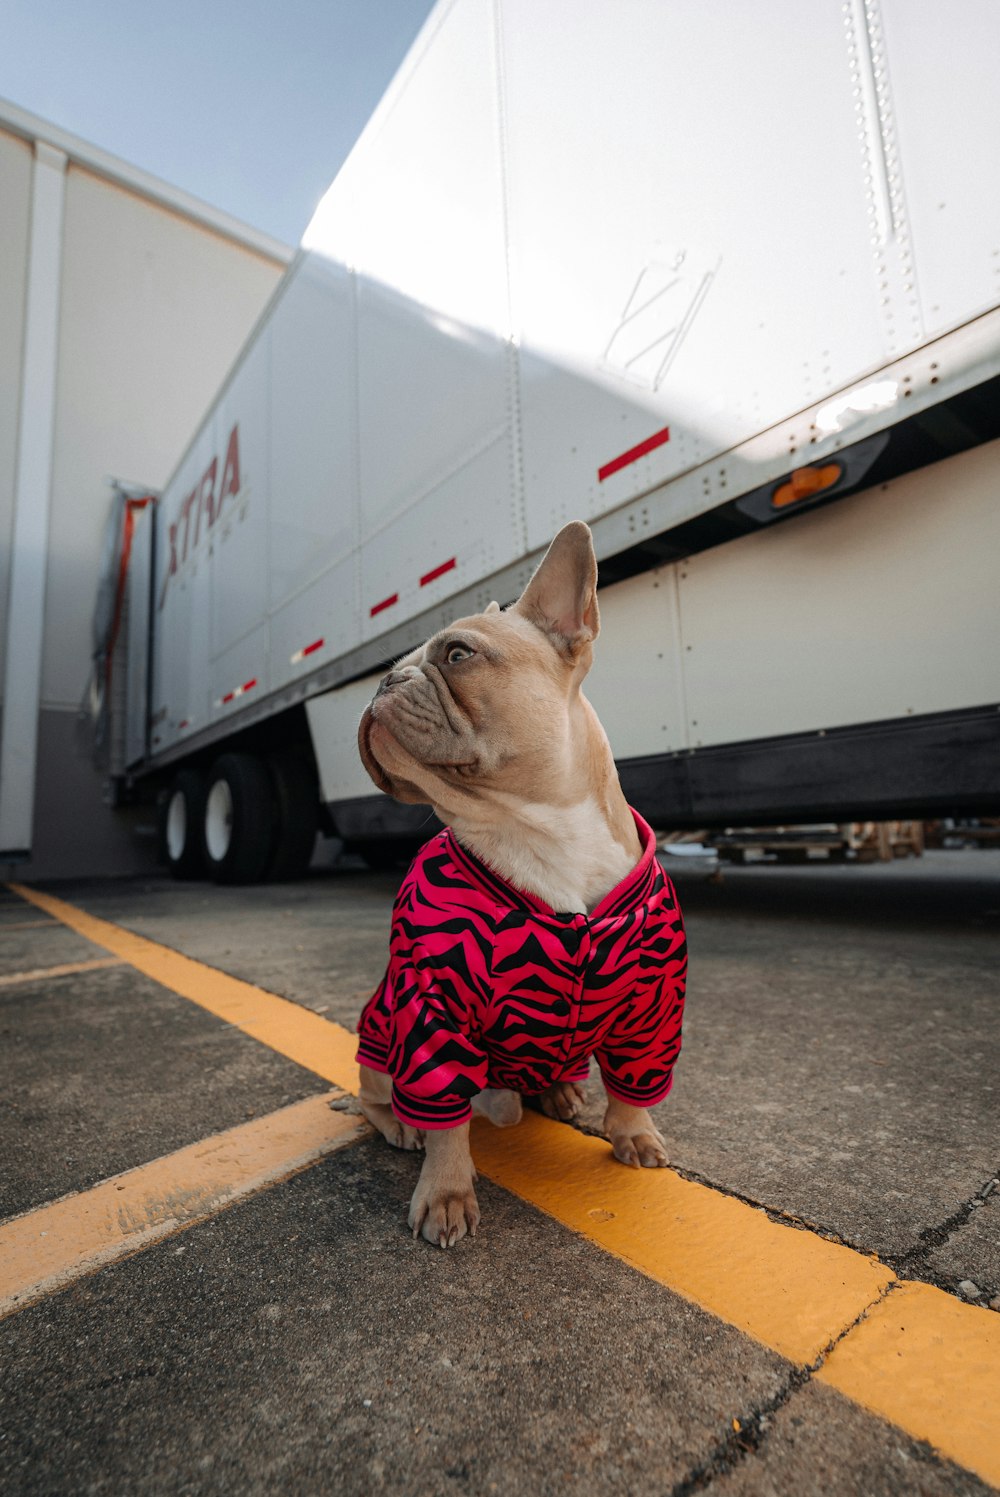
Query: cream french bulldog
x=538, y=929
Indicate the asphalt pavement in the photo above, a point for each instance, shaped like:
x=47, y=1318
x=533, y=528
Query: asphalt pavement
x=839, y=1093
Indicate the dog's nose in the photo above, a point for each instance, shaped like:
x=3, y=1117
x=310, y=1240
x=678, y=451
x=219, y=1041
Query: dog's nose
x=389, y=680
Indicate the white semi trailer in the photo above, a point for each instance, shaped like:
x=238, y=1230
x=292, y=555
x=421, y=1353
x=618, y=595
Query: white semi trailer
x=724, y=282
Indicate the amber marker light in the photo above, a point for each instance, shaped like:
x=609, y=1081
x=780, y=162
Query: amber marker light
x=804, y=483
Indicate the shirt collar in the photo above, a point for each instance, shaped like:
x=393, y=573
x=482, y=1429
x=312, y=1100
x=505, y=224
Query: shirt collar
x=634, y=887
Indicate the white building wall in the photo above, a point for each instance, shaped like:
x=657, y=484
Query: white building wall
x=156, y=296
x=15, y=207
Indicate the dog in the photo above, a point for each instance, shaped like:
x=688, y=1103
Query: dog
x=538, y=928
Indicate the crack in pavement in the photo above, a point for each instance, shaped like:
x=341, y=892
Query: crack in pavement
x=750, y=1431
x=913, y=1263
x=773, y=1213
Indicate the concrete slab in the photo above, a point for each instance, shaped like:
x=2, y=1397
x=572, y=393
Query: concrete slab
x=819, y=1444
x=321, y=942
x=842, y=1044
x=51, y=945
x=105, y=1070
x=303, y=1342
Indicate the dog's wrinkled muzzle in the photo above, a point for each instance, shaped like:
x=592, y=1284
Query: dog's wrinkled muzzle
x=399, y=789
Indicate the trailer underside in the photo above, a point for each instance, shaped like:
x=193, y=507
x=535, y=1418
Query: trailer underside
x=937, y=766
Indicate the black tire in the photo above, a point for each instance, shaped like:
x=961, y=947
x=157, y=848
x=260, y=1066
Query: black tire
x=181, y=813
x=296, y=819
x=238, y=820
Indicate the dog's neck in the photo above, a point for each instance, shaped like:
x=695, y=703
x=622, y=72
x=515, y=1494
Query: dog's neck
x=572, y=839
x=567, y=856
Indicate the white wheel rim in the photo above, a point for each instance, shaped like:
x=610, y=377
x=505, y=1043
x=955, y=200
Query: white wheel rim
x=177, y=820
x=219, y=820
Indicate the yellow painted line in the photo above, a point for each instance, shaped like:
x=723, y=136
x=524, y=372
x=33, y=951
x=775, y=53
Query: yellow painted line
x=791, y=1290
x=69, y=969
x=930, y=1363
x=291, y=1030
x=48, y=1248
x=934, y=1370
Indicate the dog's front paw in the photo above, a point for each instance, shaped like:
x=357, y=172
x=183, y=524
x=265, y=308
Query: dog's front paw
x=641, y=1150
x=635, y=1139
x=563, y=1100
x=444, y=1205
x=442, y=1216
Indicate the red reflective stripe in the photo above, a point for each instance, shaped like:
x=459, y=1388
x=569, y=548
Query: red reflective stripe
x=317, y=644
x=634, y=454
x=385, y=603
x=229, y=696
x=446, y=566
x=249, y=685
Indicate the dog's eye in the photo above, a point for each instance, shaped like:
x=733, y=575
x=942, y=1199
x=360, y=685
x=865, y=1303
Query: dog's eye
x=455, y=653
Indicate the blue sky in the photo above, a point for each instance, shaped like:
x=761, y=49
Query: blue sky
x=249, y=104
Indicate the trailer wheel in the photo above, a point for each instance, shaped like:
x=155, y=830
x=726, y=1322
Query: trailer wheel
x=296, y=815
x=238, y=821
x=180, y=825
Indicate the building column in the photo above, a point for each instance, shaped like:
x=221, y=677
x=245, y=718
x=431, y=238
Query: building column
x=32, y=490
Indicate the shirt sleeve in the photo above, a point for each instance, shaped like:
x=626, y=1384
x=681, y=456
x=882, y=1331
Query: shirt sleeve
x=421, y=1026
x=638, y=1054
x=436, y=1066
x=375, y=1027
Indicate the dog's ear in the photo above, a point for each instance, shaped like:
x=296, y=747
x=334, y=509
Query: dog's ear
x=561, y=597
x=493, y=607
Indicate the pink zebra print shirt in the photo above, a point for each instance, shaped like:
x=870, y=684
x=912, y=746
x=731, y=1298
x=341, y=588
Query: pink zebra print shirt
x=488, y=987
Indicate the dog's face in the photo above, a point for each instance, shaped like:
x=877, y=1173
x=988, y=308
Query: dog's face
x=484, y=708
